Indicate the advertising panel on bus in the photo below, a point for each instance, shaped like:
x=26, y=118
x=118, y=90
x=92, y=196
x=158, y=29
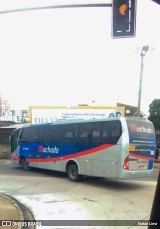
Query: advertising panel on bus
x=142, y=144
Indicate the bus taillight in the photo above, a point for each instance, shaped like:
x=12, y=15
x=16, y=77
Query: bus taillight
x=126, y=163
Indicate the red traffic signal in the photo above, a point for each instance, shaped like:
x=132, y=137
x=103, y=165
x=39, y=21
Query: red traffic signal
x=123, y=18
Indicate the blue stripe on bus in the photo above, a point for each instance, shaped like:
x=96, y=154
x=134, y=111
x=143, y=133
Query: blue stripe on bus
x=47, y=157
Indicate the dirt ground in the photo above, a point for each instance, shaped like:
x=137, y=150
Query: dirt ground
x=9, y=211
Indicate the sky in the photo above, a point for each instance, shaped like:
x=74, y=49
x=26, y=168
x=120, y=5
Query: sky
x=67, y=56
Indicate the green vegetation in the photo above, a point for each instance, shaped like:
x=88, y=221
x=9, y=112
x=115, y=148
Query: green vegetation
x=154, y=110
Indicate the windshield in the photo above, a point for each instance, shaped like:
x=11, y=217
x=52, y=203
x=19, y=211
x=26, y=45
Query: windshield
x=14, y=139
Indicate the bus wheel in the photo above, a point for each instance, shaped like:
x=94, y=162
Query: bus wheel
x=72, y=172
x=24, y=164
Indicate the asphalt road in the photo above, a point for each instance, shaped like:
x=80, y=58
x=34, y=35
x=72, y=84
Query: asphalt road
x=50, y=195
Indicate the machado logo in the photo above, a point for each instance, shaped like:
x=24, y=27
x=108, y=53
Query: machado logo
x=42, y=149
x=142, y=129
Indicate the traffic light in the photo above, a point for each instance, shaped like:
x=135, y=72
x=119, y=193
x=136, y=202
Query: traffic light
x=123, y=18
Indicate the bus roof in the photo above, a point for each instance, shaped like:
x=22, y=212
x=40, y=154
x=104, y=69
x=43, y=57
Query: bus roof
x=72, y=121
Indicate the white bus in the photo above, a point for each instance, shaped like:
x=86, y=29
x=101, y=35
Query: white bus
x=119, y=148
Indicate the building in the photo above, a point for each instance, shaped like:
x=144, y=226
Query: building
x=6, y=114
x=130, y=111
x=4, y=106
x=20, y=116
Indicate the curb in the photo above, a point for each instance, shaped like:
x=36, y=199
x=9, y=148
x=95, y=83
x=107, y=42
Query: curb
x=24, y=212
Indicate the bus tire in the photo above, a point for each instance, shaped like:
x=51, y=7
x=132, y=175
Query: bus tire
x=72, y=172
x=24, y=164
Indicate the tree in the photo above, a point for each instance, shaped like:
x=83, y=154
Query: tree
x=154, y=110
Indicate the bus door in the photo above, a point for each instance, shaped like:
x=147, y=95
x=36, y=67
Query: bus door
x=141, y=145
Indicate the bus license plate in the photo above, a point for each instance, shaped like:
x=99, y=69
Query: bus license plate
x=142, y=167
x=142, y=164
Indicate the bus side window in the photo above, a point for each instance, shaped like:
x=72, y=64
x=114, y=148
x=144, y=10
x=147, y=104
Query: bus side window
x=114, y=133
x=67, y=134
x=24, y=135
x=30, y=135
x=35, y=134
x=110, y=132
x=55, y=134
x=114, y=129
x=95, y=136
x=104, y=136
x=85, y=133
x=50, y=135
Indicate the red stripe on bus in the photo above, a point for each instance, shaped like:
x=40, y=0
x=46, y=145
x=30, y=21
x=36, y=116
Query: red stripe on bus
x=83, y=153
x=141, y=157
x=15, y=158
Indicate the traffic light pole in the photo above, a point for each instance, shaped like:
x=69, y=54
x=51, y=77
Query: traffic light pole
x=61, y=6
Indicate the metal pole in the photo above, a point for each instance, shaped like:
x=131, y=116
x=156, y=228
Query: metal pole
x=143, y=53
x=140, y=87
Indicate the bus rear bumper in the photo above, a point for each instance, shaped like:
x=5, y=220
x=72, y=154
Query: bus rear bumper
x=15, y=163
x=135, y=174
